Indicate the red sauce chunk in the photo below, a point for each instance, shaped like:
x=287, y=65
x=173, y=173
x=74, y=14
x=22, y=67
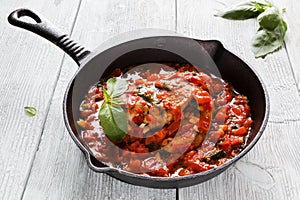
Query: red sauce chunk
x=180, y=121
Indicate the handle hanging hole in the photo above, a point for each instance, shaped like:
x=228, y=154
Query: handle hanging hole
x=27, y=19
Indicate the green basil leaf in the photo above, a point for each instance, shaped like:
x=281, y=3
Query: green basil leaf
x=116, y=87
x=120, y=117
x=30, y=110
x=266, y=42
x=243, y=11
x=269, y=19
x=113, y=120
x=217, y=155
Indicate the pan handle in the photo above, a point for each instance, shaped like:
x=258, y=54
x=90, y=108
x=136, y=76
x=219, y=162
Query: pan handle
x=213, y=47
x=99, y=167
x=45, y=29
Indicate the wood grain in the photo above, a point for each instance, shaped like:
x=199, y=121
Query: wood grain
x=292, y=38
x=38, y=159
x=269, y=171
x=28, y=74
x=59, y=170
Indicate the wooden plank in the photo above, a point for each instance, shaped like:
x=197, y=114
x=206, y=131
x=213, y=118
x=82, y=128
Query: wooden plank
x=292, y=40
x=269, y=171
x=59, y=170
x=28, y=74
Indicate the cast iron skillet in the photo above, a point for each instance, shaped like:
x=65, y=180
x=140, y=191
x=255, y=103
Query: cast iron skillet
x=232, y=69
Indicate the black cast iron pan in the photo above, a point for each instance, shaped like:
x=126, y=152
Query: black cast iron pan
x=93, y=65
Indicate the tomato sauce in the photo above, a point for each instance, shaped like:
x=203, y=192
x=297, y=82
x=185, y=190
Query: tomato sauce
x=180, y=121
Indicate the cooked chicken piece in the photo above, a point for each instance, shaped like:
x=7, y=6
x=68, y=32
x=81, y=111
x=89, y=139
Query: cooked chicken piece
x=154, y=101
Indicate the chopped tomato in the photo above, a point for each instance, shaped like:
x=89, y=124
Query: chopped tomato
x=240, y=131
x=236, y=110
x=184, y=172
x=174, y=127
x=139, y=110
x=160, y=95
x=199, y=166
x=158, y=84
x=247, y=122
x=194, y=79
x=95, y=107
x=149, y=118
x=139, y=81
x=138, y=119
x=202, y=97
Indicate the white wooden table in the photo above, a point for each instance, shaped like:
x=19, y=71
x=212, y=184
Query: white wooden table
x=38, y=159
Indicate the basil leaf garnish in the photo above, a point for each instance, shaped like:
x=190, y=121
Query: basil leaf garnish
x=30, y=110
x=243, y=11
x=112, y=116
x=265, y=41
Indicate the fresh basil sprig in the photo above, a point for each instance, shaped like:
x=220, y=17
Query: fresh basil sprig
x=113, y=118
x=270, y=35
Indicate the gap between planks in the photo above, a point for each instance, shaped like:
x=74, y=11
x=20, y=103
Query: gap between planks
x=176, y=22
x=291, y=66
